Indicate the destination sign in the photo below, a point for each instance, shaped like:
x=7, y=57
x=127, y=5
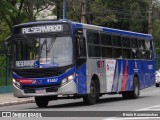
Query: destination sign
x=42, y=29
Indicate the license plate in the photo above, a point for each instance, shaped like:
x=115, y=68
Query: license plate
x=41, y=91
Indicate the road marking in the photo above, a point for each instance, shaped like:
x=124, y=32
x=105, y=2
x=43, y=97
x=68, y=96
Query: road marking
x=131, y=118
x=151, y=108
x=146, y=92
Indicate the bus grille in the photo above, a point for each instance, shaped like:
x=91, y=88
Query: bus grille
x=32, y=89
x=40, y=72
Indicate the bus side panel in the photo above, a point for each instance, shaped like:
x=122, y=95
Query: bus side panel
x=117, y=81
x=81, y=79
x=120, y=80
x=149, y=70
x=123, y=76
x=145, y=72
x=124, y=73
x=96, y=67
x=130, y=64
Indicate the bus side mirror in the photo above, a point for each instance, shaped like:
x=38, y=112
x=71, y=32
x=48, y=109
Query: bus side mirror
x=81, y=47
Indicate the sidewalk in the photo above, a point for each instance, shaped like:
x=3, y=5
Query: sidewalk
x=8, y=99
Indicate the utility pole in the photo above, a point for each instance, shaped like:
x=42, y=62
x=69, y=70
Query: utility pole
x=150, y=18
x=83, y=11
x=64, y=9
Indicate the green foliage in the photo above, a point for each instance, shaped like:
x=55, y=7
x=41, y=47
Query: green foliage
x=4, y=33
x=156, y=26
x=73, y=10
x=156, y=33
x=100, y=14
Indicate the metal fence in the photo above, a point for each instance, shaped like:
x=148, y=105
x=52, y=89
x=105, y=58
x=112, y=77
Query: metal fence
x=5, y=71
x=157, y=61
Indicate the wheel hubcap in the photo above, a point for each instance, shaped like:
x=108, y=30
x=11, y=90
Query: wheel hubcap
x=93, y=92
x=136, y=90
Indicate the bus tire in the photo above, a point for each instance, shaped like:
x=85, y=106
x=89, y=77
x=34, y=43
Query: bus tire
x=135, y=93
x=132, y=94
x=157, y=85
x=92, y=97
x=41, y=102
x=125, y=95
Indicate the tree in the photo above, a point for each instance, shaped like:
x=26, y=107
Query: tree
x=11, y=12
x=34, y=7
x=156, y=25
x=17, y=11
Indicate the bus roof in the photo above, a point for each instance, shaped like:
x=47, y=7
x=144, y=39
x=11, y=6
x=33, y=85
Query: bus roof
x=92, y=27
x=40, y=22
x=114, y=31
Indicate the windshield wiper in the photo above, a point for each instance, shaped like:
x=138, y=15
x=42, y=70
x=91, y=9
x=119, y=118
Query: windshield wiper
x=26, y=38
x=49, y=47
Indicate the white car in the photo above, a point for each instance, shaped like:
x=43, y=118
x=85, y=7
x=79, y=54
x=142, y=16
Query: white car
x=157, y=78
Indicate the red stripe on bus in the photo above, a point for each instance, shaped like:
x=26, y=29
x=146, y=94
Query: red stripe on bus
x=125, y=76
x=25, y=81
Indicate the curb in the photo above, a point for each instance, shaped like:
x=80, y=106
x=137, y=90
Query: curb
x=16, y=102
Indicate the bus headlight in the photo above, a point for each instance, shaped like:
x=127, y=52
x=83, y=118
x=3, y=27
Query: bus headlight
x=67, y=79
x=16, y=83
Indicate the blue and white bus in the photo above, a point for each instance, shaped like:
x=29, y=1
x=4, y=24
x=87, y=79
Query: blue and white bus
x=65, y=59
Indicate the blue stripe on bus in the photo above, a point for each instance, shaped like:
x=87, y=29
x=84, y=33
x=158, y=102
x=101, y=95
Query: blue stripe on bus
x=79, y=25
x=81, y=79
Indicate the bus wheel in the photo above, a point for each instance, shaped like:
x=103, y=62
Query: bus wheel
x=125, y=95
x=132, y=94
x=135, y=93
x=91, y=98
x=157, y=85
x=41, y=102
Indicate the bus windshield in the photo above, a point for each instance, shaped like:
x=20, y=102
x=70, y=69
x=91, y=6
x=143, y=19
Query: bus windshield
x=44, y=52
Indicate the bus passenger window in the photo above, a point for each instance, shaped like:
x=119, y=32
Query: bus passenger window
x=106, y=40
x=117, y=53
x=134, y=43
x=148, y=55
x=127, y=53
x=141, y=54
x=141, y=49
x=107, y=52
x=93, y=44
x=93, y=37
x=148, y=47
x=94, y=51
x=116, y=41
x=126, y=42
x=141, y=44
x=134, y=54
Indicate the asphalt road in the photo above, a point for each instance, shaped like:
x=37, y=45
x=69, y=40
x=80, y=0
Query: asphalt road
x=149, y=100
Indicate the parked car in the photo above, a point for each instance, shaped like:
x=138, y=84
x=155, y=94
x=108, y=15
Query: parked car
x=157, y=78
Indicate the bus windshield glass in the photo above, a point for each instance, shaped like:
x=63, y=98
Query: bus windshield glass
x=44, y=52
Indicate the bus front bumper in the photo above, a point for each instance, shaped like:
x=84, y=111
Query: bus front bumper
x=68, y=89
